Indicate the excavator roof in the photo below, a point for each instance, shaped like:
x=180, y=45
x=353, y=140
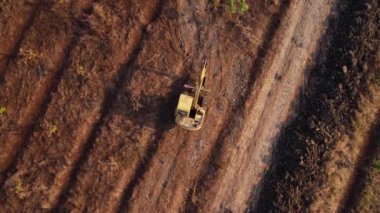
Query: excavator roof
x=184, y=103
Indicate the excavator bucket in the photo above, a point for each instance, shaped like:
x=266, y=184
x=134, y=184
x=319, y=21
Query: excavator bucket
x=190, y=112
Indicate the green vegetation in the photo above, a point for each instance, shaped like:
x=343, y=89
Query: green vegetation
x=243, y=5
x=212, y=2
x=377, y=166
x=231, y=6
x=377, y=81
x=2, y=111
x=377, y=74
x=19, y=189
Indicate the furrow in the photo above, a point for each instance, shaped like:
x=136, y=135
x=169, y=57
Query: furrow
x=29, y=80
x=59, y=137
x=344, y=158
x=363, y=194
x=16, y=18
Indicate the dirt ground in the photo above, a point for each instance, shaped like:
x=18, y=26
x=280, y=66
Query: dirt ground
x=88, y=91
x=319, y=151
x=365, y=192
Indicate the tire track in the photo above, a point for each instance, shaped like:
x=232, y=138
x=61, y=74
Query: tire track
x=239, y=161
x=31, y=77
x=16, y=18
x=175, y=167
x=56, y=145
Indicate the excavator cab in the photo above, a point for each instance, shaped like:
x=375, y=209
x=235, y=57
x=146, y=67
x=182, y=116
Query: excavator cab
x=190, y=112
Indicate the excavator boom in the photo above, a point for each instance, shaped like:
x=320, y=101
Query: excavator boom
x=200, y=85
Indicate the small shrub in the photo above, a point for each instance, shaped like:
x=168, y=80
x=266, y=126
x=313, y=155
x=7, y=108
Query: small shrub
x=231, y=6
x=377, y=79
x=212, y=2
x=244, y=7
x=30, y=56
x=81, y=71
x=53, y=129
x=136, y=105
x=19, y=189
x=2, y=111
x=377, y=166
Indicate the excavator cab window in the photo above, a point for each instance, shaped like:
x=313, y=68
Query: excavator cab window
x=192, y=113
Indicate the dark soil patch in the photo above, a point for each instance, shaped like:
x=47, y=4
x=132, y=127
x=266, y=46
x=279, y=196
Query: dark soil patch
x=364, y=195
x=327, y=110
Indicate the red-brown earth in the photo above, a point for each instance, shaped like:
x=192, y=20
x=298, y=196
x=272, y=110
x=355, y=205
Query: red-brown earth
x=88, y=91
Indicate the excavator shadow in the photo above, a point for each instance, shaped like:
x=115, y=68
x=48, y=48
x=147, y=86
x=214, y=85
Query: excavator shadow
x=154, y=111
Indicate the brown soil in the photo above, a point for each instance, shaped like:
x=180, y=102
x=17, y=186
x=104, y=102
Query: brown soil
x=15, y=19
x=364, y=195
x=90, y=88
x=341, y=163
x=31, y=75
x=317, y=152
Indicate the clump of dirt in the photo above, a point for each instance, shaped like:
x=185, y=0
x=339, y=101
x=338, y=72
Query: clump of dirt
x=330, y=103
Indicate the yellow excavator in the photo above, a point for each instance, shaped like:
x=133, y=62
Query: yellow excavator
x=190, y=112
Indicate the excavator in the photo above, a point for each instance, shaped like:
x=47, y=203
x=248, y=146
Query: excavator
x=190, y=112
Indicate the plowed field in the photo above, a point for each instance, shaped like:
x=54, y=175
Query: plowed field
x=88, y=91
